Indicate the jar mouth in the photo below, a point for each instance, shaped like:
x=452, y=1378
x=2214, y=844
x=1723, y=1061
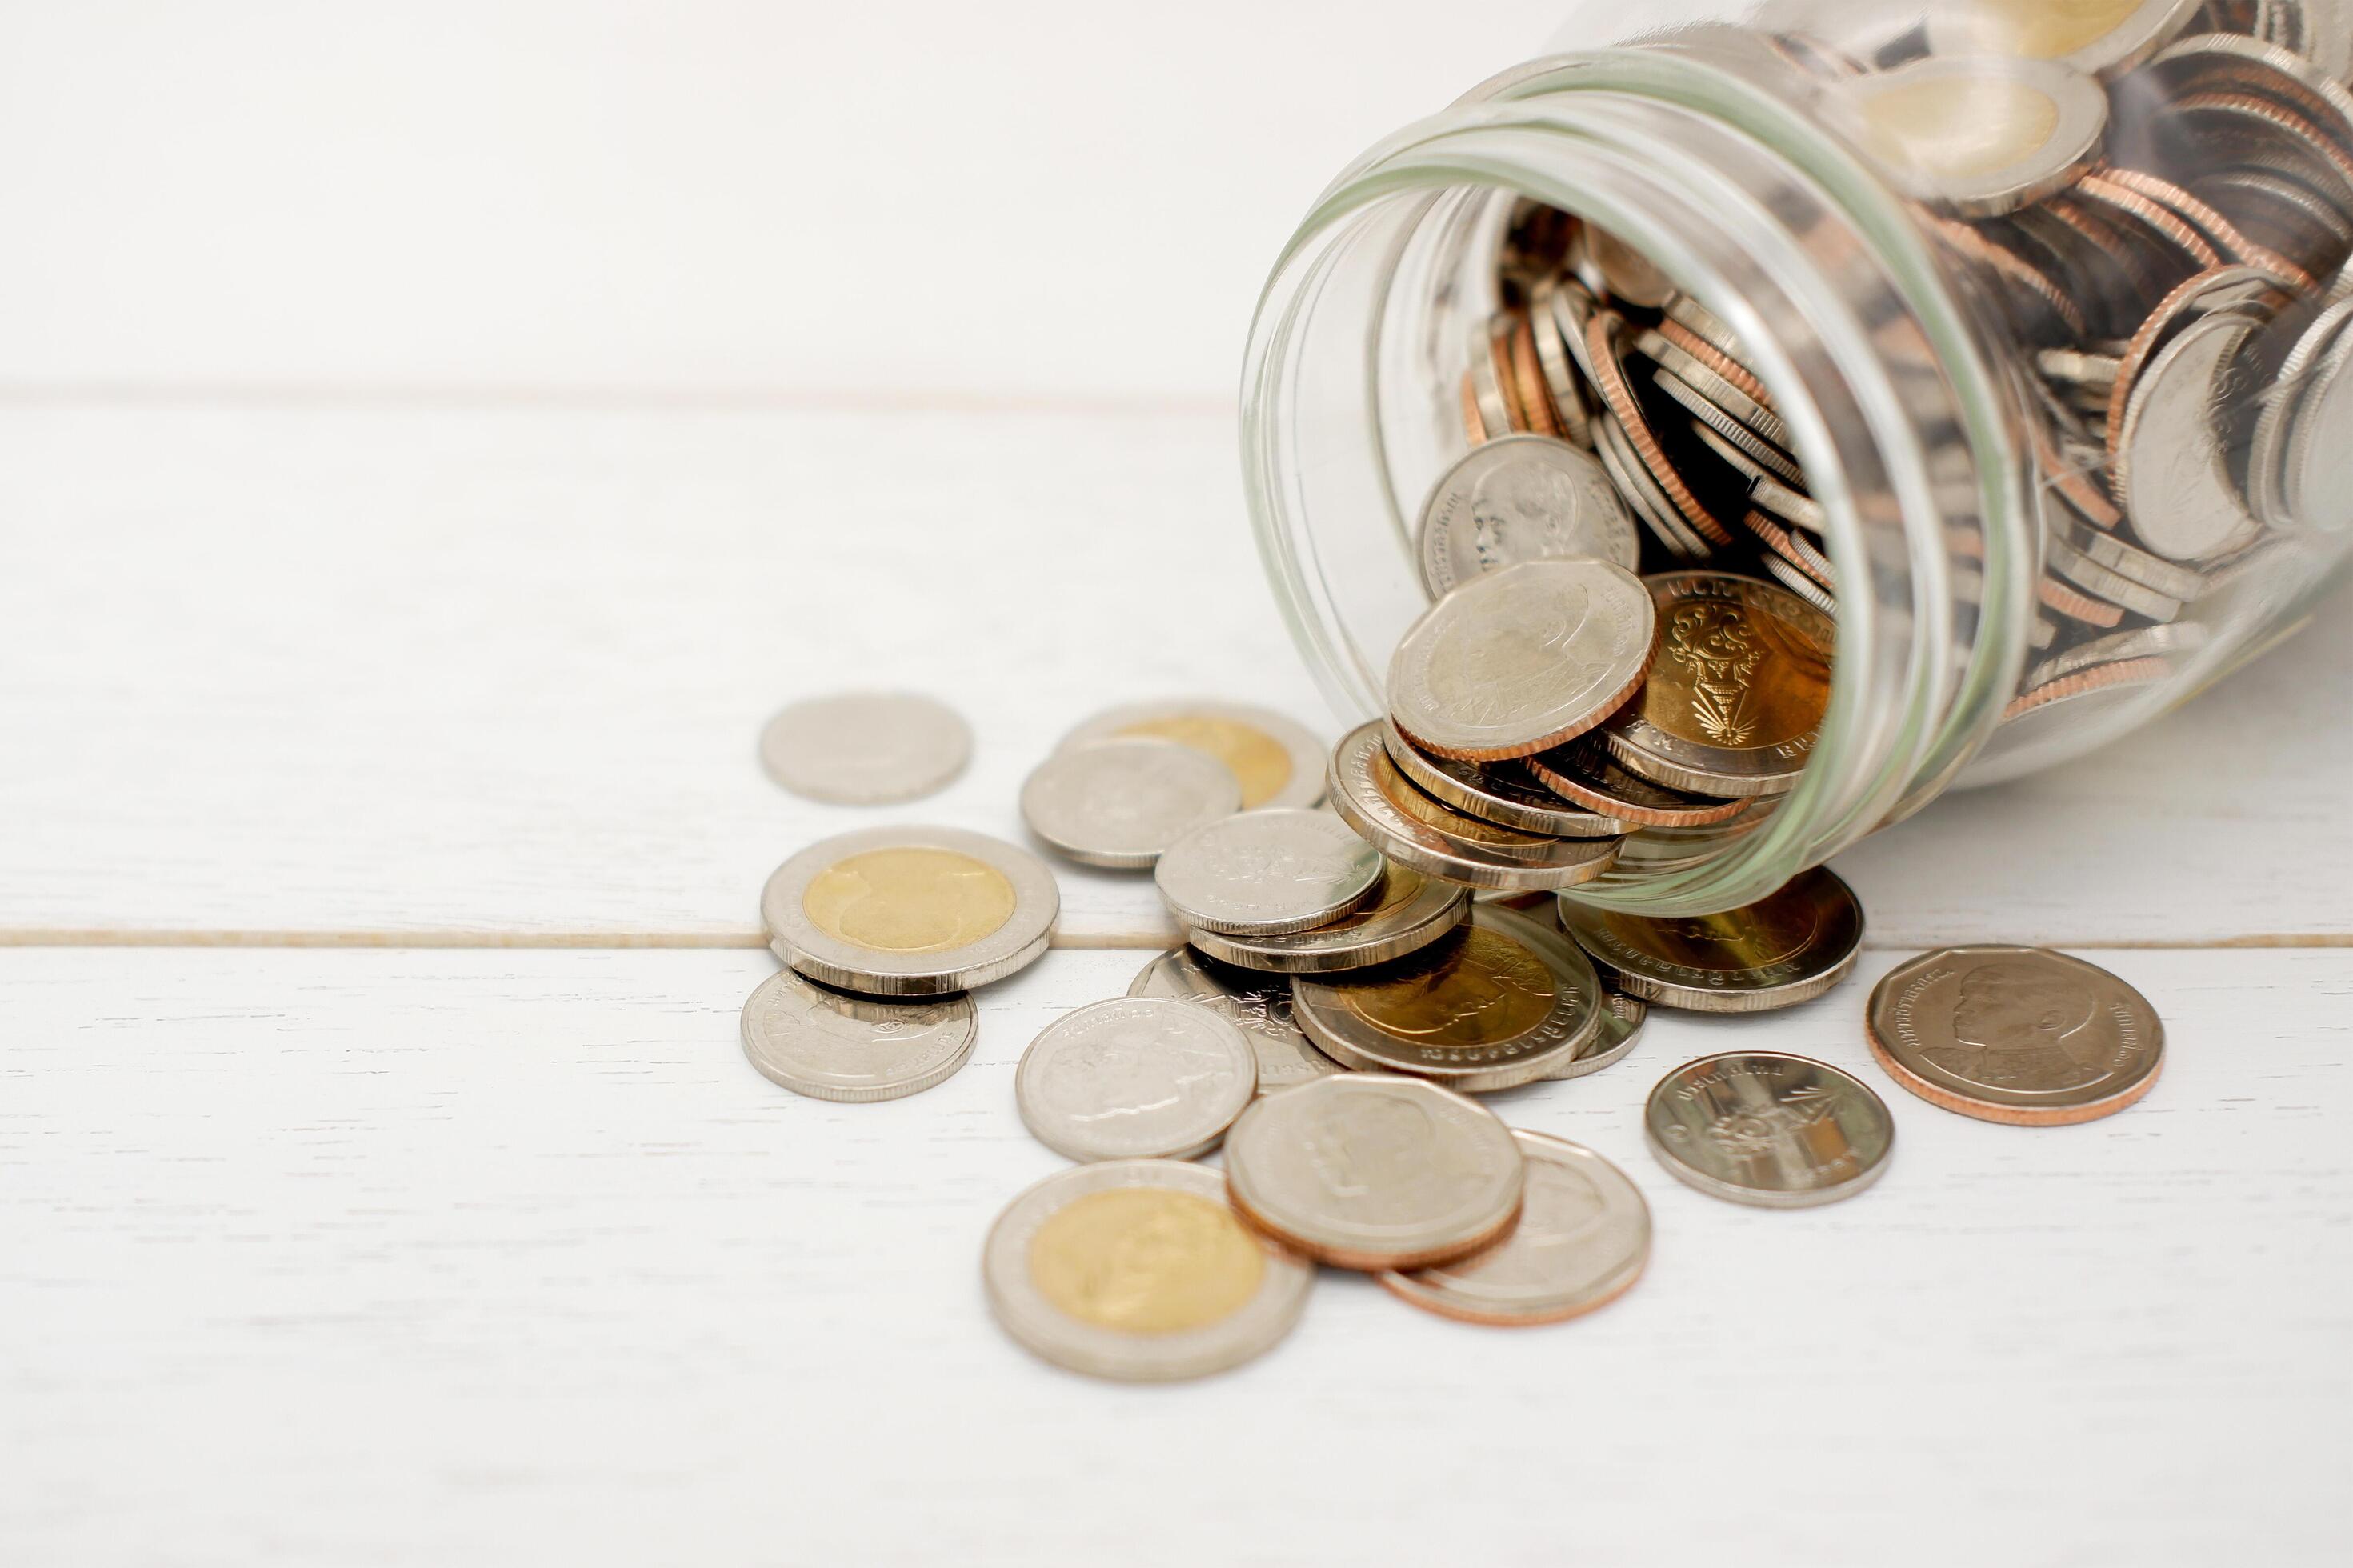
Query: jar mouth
x=1876, y=363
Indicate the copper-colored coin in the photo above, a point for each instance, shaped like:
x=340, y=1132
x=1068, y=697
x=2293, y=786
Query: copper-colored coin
x=1715, y=359
x=2298, y=127
x=2219, y=288
x=2099, y=677
x=1786, y=545
x=1499, y=350
x=2014, y=270
x=2089, y=498
x=1528, y=381
x=2226, y=236
x=1587, y=774
x=2066, y=601
x=1610, y=374
x=1472, y=425
x=2016, y=1035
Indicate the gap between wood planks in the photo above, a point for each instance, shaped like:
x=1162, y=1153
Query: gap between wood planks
x=1116, y=942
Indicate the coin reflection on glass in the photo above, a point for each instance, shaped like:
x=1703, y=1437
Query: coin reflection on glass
x=1789, y=947
x=1767, y=1129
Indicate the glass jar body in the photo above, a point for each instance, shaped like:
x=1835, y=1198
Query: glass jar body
x=2013, y=340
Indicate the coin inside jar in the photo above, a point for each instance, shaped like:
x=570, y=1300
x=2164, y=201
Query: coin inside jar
x=1119, y=803
x=1139, y=1269
x=1257, y=1004
x=1500, y=1001
x=909, y=912
x=1142, y=1078
x=1505, y=793
x=829, y=1045
x=1265, y=873
x=1406, y=912
x=865, y=748
x=1789, y=947
x=1524, y=498
x=1767, y=1129
x=1277, y=761
x=2099, y=36
x=1582, y=1241
x=1413, y=830
x=1366, y=1172
x=2015, y=1034
x=1980, y=136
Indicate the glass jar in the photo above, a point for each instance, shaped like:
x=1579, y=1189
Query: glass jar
x=2032, y=317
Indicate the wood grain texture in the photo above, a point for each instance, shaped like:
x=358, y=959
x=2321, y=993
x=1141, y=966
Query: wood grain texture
x=394, y=1257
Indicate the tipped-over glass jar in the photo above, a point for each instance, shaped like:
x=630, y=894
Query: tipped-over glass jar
x=2015, y=335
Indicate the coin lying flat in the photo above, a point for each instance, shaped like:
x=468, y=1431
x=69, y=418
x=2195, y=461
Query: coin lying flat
x=1622, y=1017
x=1499, y=1002
x=1505, y=793
x=1414, y=830
x=1524, y=498
x=865, y=748
x=1737, y=692
x=1405, y=913
x=1522, y=659
x=1583, y=1238
x=1257, y=1004
x=1585, y=774
x=1145, y=1077
x=909, y=912
x=2017, y=1034
x=829, y=1045
x=1366, y=1172
x=1767, y=1130
x=1265, y=873
x=1118, y=804
x=1277, y=761
x=1789, y=947
x=1138, y=1269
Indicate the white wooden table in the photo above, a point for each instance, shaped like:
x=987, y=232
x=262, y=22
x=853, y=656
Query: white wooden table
x=380, y=838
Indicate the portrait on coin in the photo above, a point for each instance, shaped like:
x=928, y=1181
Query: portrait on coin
x=2018, y=1026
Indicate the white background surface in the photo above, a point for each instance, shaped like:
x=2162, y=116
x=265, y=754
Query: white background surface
x=431, y=441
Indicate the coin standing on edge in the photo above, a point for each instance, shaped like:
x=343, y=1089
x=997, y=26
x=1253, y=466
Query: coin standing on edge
x=1406, y=912
x=1416, y=830
x=1582, y=1241
x=1767, y=1129
x=911, y=912
x=1277, y=761
x=865, y=748
x=1789, y=947
x=820, y=1043
x=2017, y=1034
x=1141, y=1077
x=1258, y=1004
x=1368, y=1172
x=1265, y=873
x=1119, y=803
x=1138, y=1269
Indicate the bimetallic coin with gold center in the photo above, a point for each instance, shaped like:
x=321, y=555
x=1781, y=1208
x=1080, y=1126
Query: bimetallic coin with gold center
x=2099, y=36
x=909, y=912
x=1139, y=1269
x=1983, y=136
x=1407, y=913
x=1277, y=761
x=1500, y=1001
x=1787, y=947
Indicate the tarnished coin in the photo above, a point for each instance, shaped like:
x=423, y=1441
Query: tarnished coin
x=1415, y=831
x=1789, y=947
x=1365, y=1172
x=1257, y=1004
x=1524, y=498
x=1119, y=803
x=1145, y=1077
x=909, y=912
x=865, y=748
x=1505, y=793
x=831, y=1045
x=1736, y=691
x=1980, y=136
x=1277, y=761
x=1265, y=873
x=1499, y=1002
x=1139, y=1269
x=2017, y=1034
x=1585, y=772
x=1583, y=1238
x=1522, y=659
x=1771, y=1131
x=1407, y=913
x=1622, y=1017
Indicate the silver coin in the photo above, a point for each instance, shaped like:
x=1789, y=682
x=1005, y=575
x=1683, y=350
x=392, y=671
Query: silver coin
x=2164, y=577
x=1716, y=394
x=1277, y=761
x=1366, y=1172
x=1981, y=136
x=1520, y=660
x=2316, y=470
x=1501, y=1002
x=1267, y=872
x=1505, y=793
x=1630, y=275
x=1139, y=1269
x=1622, y=1017
x=1487, y=383
x=829, y=1045
x=1143, y=1078
x=1798, y=582
x=1258, y=1004
x=2267, y=454
x=1789, y=947
x=865, y=748
x=2099, y=39
x=1742, y=449
x=2173, y=471
x=1770, y=1131
x=1582, y=1241
x=1524, y=498
x=1642, y=491
x=1561, y=377
x=1709, y=328
x=911, y=912
x=2179, y=638
x=2070, y=565
x=1118, y=804
x=1425, y=835
x=1405, y=913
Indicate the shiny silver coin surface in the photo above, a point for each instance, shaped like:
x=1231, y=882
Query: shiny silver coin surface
x=1412, y=829
x=1405, y=913
x=1277, y=761
x=1265, y=873
x=1139, y=1270
x=1522, y=498
x=1144, y=1077
x=1622, y=1017
x=1119, y=803
x=1506, y=794
x=1789, y=947
x=831, y=1045
x=1768, y=1130
x=2172, y=475
x=865, y=748
x=1258, y=1004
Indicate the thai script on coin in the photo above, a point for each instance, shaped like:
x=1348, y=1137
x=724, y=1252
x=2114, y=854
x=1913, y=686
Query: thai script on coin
x=1769, y=1129
x=829, y=1045
x=1141, y=1077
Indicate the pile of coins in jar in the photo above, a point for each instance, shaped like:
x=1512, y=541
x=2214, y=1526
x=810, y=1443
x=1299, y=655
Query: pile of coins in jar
x=1351, y=983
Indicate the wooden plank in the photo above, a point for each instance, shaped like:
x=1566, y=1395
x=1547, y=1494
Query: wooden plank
x=421, y=1256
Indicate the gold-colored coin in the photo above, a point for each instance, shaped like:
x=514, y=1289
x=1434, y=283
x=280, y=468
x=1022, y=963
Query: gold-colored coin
x=908, y=900
x=909, y=912
x=1963, y=128
x=1257, y=758
x=1786, y=948
x=1146, y=1260
x=1277, y=760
